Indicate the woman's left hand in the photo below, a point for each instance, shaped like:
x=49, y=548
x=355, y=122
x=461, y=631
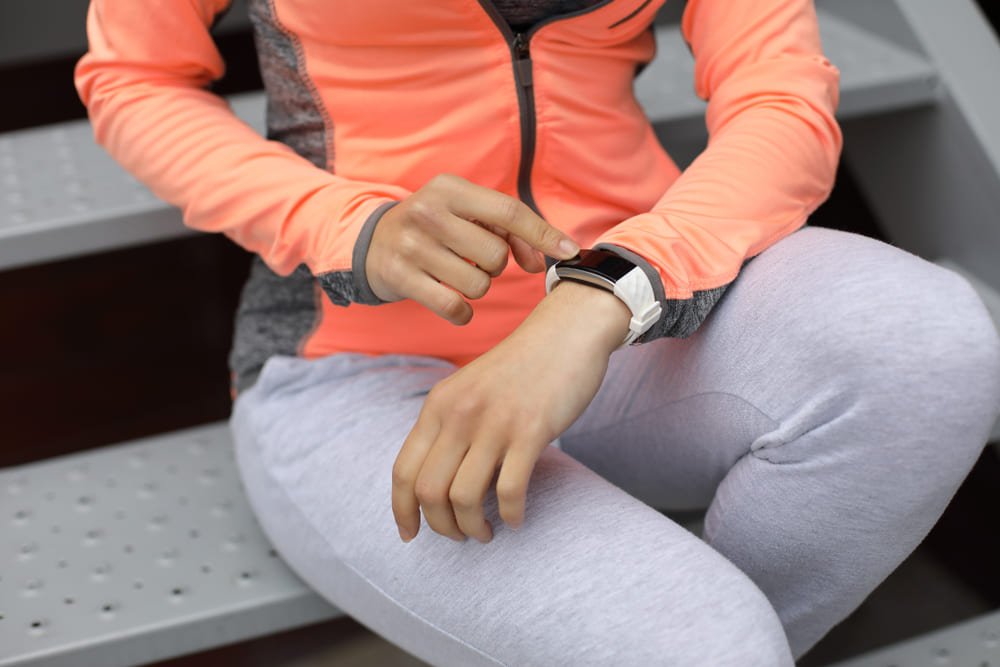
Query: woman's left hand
x=501, y=411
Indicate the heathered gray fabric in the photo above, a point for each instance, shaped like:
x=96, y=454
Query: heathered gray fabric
x=344, y=287
x=824, y=413
x=679, y=317
x=274, y=314
x=522, y=14
x=295, y=115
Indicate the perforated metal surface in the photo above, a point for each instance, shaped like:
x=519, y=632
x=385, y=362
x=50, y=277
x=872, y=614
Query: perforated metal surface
x=61, y=195
x=137, y=552
x=876, y=76
x=975, y=643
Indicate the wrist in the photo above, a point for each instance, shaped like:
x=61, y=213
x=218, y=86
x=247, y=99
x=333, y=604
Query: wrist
x=584, y=312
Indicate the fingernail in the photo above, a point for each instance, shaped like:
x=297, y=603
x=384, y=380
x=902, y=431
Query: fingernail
x=405, y=535
x=568, y=248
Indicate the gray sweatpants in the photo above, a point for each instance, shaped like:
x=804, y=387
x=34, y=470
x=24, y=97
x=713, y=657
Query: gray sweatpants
x=824, y=414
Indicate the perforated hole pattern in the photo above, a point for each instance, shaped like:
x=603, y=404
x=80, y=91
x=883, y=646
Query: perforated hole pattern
x=152, y=533
x=92, y=185
x=975, y=643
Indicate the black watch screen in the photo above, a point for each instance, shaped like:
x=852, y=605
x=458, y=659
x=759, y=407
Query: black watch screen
x=604, y=263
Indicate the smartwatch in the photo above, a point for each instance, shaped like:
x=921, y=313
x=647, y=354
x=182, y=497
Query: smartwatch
x=616, y=274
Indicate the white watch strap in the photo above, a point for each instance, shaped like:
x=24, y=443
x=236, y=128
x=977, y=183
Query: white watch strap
x=636, y=291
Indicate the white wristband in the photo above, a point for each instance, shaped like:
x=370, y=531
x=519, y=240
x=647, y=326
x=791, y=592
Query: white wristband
x=635, y=290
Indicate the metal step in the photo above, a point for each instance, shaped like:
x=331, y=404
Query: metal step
x=147, y=550
x=877, y=76
x=61, y=195
x=974, y=643
x=138, y=552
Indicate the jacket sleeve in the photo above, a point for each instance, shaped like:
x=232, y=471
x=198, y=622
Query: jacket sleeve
x=144, y=81
x=771, y=158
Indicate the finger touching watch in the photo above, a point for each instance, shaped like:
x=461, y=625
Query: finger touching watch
x=616, y=274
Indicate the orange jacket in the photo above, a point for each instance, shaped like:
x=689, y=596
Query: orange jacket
x=369, y=100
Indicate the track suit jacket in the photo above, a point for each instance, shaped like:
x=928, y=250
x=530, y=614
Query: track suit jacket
x=369, y=100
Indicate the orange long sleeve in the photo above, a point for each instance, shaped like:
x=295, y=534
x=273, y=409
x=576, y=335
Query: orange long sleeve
x=144, y=82
x=369, y=101
x=771, y=160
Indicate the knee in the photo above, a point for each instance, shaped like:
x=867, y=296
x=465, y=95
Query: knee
x=904, y=326
x=939, y=341
x=960, y=336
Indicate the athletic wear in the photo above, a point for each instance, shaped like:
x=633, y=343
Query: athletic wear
x=825, y=417
x=824, y=411
x=368, y=101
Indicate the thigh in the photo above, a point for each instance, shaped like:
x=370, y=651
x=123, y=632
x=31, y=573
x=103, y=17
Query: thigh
x=593, y=576
x=814, y=321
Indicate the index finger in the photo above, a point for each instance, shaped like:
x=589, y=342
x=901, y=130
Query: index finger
x=486, y=205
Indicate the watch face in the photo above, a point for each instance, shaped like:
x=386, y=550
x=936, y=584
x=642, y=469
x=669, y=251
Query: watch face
x=601, y=262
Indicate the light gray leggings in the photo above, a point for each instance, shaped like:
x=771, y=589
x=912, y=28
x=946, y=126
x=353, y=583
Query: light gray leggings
x=824, y=413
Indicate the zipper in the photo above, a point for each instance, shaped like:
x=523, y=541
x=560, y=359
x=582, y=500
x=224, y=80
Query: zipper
x=526, y=96
x=520, y=49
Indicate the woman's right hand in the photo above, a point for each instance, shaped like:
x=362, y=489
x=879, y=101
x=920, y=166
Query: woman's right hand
x=452, y=233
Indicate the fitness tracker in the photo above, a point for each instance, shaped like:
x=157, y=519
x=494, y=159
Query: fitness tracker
x=607, y=270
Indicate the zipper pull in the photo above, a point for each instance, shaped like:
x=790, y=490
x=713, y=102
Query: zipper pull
x=523, y=63
x=520, y=45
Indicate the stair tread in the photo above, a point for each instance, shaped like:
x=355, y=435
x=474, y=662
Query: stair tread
x=134, y=526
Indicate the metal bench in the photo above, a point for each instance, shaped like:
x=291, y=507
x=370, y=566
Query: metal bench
x=147, y=550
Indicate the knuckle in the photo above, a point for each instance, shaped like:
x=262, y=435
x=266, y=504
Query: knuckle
x=429, y=494
x=461, y=498
x=480, y=285
x=423, y=212
x=496, y=256
x=436, y=397
x=400, y=477
x=550, y=236
x=466, y=405
x=508, y=492
x=407, y=245
x=531, y=427
x=509, y=209
x=443, y=181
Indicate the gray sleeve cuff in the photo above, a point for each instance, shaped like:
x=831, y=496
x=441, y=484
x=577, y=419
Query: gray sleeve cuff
x=680, y=317
x=346, y=287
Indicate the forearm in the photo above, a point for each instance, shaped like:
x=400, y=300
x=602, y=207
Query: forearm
x=144, y=81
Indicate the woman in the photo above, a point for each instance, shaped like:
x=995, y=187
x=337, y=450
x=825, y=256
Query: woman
x=822, y=394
